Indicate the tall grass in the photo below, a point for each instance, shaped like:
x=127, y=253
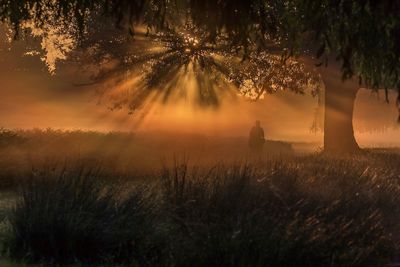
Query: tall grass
x=227, y=218
x=300, y=211
x=119, y=153
x=67, y=216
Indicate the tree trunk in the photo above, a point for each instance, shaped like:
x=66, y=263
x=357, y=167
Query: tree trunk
x=339, y=105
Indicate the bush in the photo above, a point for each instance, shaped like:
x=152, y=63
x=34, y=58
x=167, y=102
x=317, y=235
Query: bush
x=8, y=137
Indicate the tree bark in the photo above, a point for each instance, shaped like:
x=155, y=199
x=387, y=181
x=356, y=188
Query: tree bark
x=339, y=105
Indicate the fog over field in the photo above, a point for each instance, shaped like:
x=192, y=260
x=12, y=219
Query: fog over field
x=30, y=99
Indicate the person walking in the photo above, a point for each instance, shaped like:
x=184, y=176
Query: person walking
x=256, y=137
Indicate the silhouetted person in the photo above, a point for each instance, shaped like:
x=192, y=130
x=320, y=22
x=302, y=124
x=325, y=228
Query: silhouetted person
x=256, y=138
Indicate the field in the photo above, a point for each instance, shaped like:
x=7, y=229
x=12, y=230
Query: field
x=84, y=198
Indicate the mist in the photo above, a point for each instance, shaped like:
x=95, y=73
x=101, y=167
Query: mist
x=30, y=97
x=30, y=100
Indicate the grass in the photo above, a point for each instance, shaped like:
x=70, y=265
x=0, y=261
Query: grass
x=84, y=199
x=302, y=211
x=119, y=154
x=69, y=216
x=230, y=219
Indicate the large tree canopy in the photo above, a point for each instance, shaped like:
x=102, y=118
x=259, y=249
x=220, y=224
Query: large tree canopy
x=364, y=35
x=168, y=60
x=174, y=43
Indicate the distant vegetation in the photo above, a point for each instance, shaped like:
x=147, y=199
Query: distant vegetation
x=313, y=210
x=121, y=153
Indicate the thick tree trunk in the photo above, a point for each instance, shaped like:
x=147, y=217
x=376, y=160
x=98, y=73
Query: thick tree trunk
x=339, y=105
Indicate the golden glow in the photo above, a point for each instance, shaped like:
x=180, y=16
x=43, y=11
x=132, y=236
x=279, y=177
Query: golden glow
x=38, y=101
x=55, y=42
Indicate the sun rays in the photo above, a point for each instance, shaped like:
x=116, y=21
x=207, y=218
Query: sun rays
x=171, y=66
x=181, y=66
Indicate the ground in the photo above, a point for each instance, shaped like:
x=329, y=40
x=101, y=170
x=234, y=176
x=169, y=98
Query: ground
x=93, y=198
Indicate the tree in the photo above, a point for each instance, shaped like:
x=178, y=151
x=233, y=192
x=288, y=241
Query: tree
x=364, y=36
x=165, y=58
x=359, y=41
